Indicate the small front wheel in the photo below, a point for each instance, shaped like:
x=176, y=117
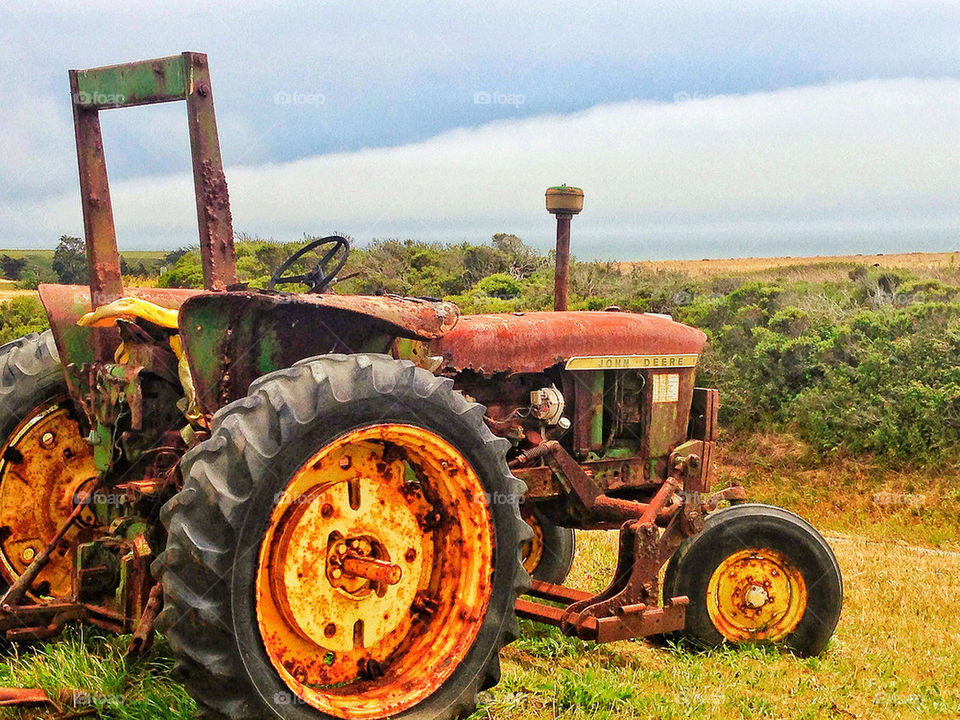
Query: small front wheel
x=758, y=573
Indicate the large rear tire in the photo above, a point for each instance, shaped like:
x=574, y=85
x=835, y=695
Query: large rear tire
x=758, y=573
x=44, y=460
x=357, y=456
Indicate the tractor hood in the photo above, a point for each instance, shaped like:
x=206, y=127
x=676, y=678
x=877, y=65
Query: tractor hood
x=532, y=342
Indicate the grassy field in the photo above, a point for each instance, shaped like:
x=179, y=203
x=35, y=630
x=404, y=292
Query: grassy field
x=896, y=653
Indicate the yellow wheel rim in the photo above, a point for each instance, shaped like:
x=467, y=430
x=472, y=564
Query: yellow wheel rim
x=756, y=595
x=375, y=571
x=532, y=551
x=43, y=464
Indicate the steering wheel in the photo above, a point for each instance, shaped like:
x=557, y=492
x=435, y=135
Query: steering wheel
x=321, y=277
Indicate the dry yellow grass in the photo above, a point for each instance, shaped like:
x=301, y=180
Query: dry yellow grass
x=896, y=654
x=726, y=266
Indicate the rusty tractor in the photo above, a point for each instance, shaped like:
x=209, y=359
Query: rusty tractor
x=338, y=506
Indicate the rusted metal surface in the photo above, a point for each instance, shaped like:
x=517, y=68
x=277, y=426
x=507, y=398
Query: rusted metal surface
x=103, y=258
x=587, y=421
x=756, y=595
x=564, y=202
x=25, y=697
x=233, y=338
x=143, y=636
x=561, y=279
x=18, y=590
x=66, y=304
x=704, y=409
x=374, y=573
x=43, y=466
x=640, y=620
x=179, y=77
x=530, y=342
x=210, y=185
x=628, y=607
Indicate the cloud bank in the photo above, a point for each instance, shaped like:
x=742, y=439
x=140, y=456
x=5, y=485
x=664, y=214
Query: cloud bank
x=853, y=167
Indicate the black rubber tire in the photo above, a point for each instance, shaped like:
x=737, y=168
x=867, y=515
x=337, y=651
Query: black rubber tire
x=30, y=375
x=559, y=548
x=753, y=525
x=215, y=525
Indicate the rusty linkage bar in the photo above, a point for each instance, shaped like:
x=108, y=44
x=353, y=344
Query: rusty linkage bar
x=628, y=607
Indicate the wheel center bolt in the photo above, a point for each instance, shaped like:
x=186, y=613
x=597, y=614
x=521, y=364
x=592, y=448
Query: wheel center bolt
x=370, y=569
x=755, y=597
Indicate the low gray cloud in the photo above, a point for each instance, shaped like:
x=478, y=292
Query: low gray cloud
x=699, y=175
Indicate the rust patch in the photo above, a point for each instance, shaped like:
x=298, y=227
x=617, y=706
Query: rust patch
x=531, y=342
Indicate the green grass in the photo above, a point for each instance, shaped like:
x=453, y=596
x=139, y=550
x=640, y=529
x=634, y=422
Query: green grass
x=896, y=653
x=86, y=668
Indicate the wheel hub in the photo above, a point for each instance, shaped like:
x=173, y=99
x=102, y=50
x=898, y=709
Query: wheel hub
x=374, y=573
x=756, y=595
x=43, y=465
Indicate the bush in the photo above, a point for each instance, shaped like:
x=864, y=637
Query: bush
x=21, y=316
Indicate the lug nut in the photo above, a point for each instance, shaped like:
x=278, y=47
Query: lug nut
x=28, y=554
x=330, y=630
x=47, y=440
x=410, y=555
x=326, y=511
x=345, y=462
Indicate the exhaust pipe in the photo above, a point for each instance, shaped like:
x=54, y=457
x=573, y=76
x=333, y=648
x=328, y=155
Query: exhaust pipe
x=564, y=202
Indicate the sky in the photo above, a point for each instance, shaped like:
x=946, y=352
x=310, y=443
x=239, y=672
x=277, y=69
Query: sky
x=697, y=129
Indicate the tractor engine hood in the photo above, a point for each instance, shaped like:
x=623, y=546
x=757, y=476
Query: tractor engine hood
x=532, y=342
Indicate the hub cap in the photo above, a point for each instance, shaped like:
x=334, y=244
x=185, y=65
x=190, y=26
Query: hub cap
x=756, y=595
x=43, y=464
x=375, y=571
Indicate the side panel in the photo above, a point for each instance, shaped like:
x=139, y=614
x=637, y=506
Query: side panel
x=233, y=338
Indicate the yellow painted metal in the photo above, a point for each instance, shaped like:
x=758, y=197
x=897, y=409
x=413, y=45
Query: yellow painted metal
x=43, y=464
x=756, y=595
x=532, y=551
x=374, y=573
x=130, y=307
x=632, y=362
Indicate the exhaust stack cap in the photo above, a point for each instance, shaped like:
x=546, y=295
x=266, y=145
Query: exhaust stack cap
x=564, y=200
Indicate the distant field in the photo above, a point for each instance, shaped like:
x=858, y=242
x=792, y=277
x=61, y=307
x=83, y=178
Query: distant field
x=41, y=262
x=130, y=255
x=708, y=267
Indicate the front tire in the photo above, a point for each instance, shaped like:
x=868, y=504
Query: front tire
x=758, y=573
x=357, y=456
